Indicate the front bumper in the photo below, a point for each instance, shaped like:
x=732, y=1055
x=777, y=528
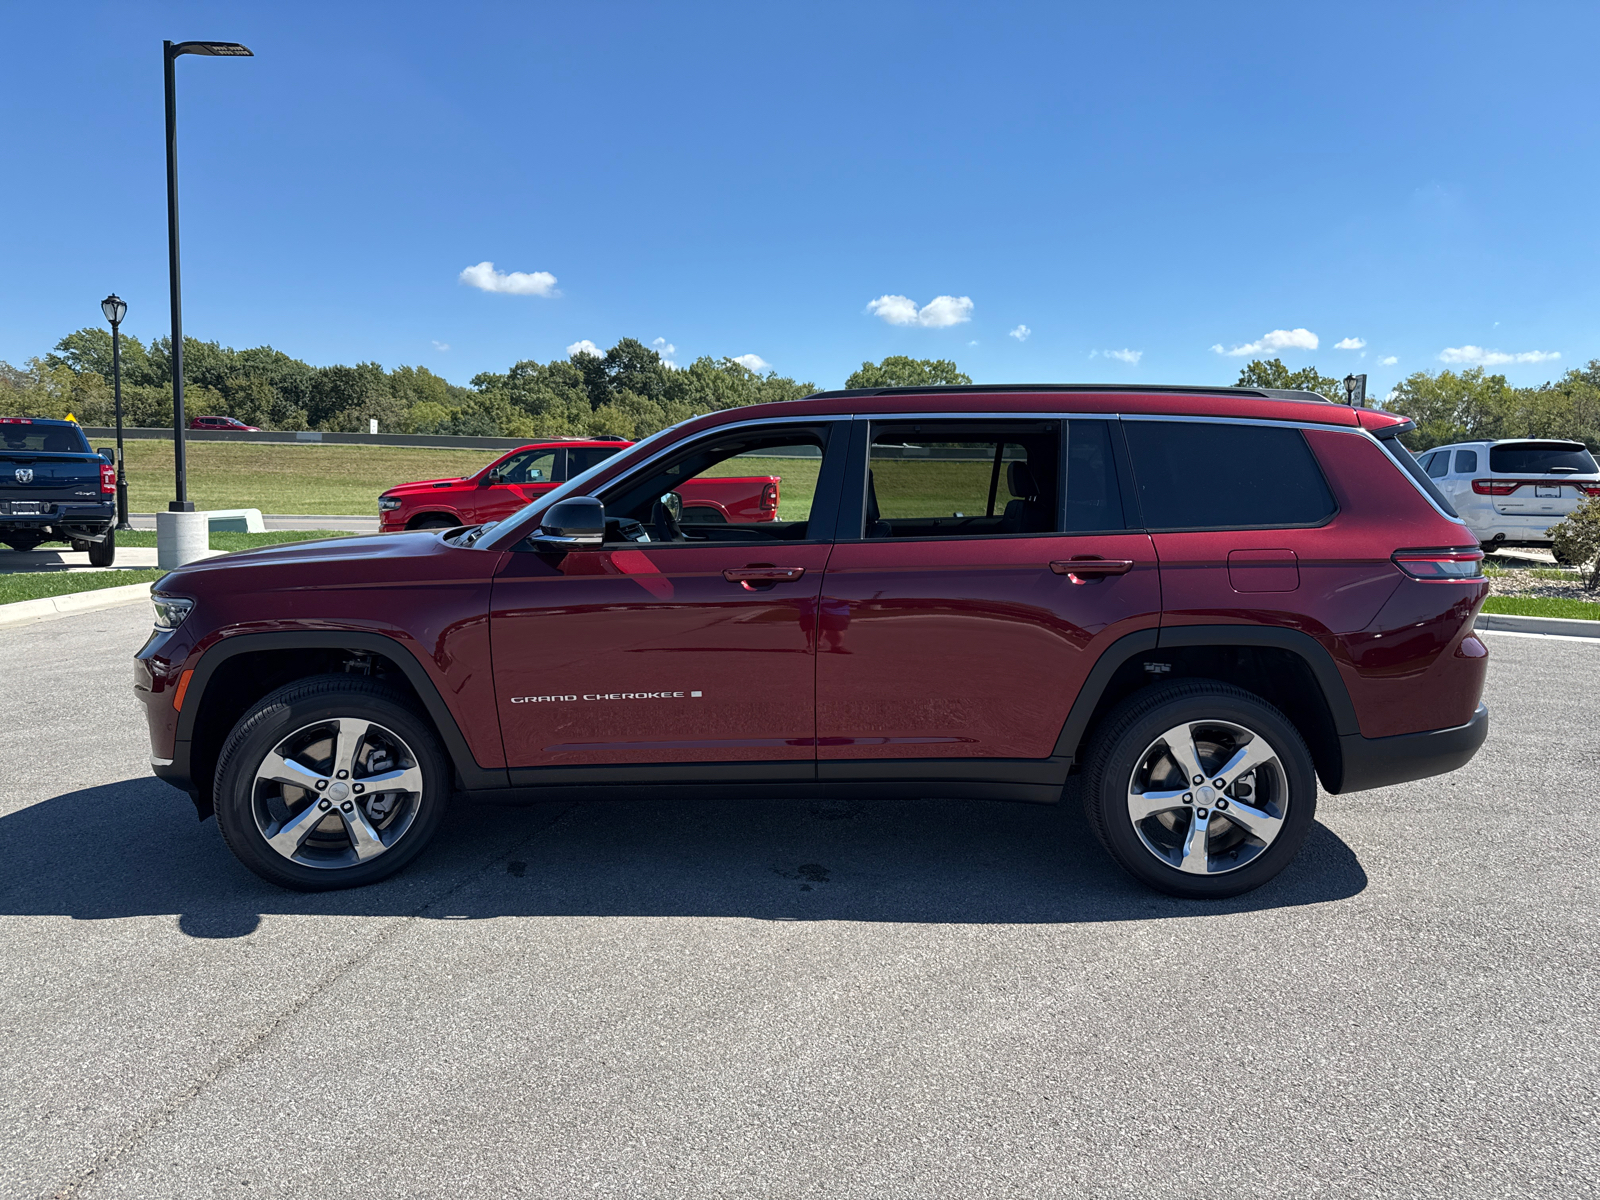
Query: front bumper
x=1380, y=762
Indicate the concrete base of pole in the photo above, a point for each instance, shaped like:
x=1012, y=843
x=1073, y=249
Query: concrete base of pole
x=181, y=538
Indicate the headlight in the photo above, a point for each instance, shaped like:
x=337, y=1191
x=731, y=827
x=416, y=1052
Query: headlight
x=171, y=610
x=385, y=503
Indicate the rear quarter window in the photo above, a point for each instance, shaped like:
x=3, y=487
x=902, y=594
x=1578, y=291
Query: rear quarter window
x=1216, y=475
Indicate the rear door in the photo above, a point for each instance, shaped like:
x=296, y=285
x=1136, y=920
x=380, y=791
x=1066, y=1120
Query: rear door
x=982, y=567
x=693, y=644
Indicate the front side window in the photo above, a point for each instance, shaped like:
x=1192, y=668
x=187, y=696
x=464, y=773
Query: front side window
x=756, y=485
x=1466, y=462
x=963, y=479
x=1220, y=475
x=530, y=466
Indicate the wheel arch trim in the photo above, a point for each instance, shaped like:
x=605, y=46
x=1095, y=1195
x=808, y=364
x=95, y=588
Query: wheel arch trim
x=473, y=775
x=1144, y=641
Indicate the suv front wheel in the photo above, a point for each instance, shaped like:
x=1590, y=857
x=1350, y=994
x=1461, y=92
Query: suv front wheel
x=1200, y=789
x=330, y=782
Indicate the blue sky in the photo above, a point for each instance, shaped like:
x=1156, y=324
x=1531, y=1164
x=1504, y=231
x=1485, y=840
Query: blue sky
x=749, y=179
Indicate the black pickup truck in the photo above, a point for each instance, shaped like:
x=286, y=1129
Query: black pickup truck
x=54, y=488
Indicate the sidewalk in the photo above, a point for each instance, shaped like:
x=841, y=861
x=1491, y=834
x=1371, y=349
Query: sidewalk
x=128, y=558
x=348, y=524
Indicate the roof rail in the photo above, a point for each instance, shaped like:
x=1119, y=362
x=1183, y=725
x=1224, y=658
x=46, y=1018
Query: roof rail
x=1156, y=388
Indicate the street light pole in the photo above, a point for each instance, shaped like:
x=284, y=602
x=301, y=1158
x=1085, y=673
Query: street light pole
x=170, y=53
x=115, y=309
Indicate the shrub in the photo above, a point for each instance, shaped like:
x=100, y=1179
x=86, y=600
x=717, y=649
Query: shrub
x=1577, y=540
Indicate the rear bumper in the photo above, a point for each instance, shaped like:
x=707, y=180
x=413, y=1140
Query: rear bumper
x=1380, y=762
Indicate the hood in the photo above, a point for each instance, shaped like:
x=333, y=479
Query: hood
x=305, y=563
x=423, y=485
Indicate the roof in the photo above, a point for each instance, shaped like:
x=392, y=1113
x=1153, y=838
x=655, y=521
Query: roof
x=1132, y=388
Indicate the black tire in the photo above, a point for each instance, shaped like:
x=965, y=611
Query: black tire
x=1280, y=799
x=78, y=545
x=434, y=521
x=250, y=810
x=103, y=554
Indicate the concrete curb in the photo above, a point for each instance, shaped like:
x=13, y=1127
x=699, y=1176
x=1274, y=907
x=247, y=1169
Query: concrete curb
x=1565, y=626
x=48, y=608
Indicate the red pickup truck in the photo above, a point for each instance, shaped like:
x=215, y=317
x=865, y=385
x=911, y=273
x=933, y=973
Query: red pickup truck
x=527, y=473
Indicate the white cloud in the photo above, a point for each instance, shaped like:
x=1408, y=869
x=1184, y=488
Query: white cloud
x=752, y=362
x=441, y=346
x=939, y=313
x=1350, y=343
x=515, y=283
x=1022, y=333
x=1131, y=357
x=584, y=347
x=1278, y=339
x=1388, y=362
x=666, y=350
x=1477, y=356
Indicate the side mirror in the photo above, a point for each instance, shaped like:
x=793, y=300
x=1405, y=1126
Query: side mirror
x=673, y=503
x=575, y=524
x=107, y=453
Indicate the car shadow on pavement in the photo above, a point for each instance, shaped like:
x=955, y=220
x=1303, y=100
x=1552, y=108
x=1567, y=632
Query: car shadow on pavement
x=134, y=849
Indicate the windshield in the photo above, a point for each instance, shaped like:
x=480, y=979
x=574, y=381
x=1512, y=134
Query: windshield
x=1541, y=458
x=523, y=523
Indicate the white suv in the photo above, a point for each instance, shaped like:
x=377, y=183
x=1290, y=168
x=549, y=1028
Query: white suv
x=1511, y=492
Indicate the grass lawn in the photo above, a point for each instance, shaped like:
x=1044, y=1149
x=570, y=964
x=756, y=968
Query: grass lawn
x=37, y=584
x=1542, y=606
x=279, y=477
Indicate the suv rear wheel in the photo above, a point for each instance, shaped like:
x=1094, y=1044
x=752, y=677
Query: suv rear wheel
x=330, y=782
x=1200, y=789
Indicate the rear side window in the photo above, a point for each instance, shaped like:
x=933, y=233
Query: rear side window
x=581, y=458
x=1541, y=458
x=1215, y=475
x=1466, y=462
x=1439, y=465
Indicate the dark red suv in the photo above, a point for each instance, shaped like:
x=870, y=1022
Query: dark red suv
x=1204, y=600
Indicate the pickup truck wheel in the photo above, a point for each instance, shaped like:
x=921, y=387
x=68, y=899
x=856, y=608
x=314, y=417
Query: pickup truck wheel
x=330, y=782
x=1200, y=789
x=437, y=521
x=103, y=554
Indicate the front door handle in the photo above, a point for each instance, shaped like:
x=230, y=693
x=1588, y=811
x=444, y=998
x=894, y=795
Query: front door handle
x=1089, y=568
x=757, y=576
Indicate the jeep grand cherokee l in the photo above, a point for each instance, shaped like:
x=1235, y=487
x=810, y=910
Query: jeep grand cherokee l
x=1202, y=600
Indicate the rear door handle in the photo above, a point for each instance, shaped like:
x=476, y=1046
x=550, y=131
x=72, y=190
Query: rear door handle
x=754, y=575
x=1081, y=570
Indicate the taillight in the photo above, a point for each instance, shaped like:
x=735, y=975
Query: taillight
x=1588, y=489
x=1495, y=487
x=769, y=498
x=108, y=479
x=1450, y=563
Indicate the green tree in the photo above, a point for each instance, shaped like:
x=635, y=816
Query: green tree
x=899, y=371
x=1451, y=407
x=1271, y=373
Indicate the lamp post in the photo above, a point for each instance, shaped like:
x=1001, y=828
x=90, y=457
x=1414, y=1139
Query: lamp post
x=115, y=308
x=185, y=539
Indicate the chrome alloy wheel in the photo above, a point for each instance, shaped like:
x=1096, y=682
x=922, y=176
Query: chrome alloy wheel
x=336, y=793
x=1207, y=797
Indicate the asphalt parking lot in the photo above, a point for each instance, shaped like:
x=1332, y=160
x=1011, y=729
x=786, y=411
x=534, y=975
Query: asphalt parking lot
x=795, y=1000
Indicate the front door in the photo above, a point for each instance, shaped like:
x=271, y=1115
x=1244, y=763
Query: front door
x=674, y=642
x=991, y=567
